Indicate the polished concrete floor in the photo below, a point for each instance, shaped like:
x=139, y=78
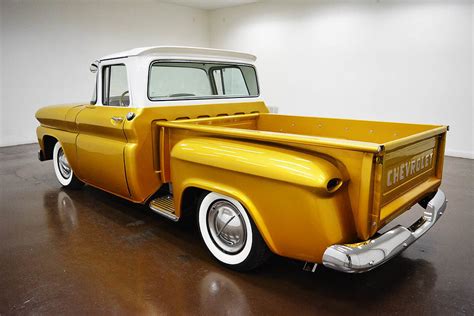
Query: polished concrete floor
x=87, y=252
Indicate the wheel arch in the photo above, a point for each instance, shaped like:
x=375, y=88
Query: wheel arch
x=48, y=137
x=192, y=190
x=48, y=146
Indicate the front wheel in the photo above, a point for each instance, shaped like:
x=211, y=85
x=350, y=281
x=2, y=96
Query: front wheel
x=63, y=170
x=230, y=234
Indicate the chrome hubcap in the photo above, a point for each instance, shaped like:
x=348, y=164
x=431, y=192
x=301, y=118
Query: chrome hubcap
x=63, y=164
x=226, y=226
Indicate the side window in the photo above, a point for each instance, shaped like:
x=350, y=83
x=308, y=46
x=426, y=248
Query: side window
x=115, y=86
x=230, y=82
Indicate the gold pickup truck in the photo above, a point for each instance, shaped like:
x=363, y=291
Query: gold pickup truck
x=185, y=131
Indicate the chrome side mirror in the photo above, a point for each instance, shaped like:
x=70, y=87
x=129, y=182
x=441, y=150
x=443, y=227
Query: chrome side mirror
x=94, y=67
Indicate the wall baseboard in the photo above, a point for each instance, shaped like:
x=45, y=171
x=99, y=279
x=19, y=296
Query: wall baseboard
x=17, y=143
x=460, y=153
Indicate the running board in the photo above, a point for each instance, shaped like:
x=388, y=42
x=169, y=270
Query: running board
x=164, y=205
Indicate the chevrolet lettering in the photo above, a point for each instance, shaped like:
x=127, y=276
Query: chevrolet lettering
x=185, y=132
x=409, y=168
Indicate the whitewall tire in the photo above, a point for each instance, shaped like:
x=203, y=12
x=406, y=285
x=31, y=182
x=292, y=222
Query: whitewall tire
x=63, y=170
x=229, y=233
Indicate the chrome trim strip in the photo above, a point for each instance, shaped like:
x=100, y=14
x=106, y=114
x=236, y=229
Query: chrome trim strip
x=362, y=257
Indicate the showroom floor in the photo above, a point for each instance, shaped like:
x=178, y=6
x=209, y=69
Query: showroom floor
x=79, y=252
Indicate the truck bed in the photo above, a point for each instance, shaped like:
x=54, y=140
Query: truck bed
x=388, y=166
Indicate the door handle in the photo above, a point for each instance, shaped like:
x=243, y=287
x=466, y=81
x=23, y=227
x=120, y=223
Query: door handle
x=117, y=119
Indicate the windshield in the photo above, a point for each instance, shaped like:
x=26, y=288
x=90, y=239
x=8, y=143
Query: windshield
x=196, y=80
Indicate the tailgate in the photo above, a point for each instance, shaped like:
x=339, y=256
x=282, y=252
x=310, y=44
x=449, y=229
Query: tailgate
x=407, y=174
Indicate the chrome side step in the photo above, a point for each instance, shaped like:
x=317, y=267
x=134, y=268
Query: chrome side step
x=164, y=205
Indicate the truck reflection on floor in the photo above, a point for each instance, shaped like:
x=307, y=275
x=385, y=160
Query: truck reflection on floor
x=219, y=295
x=61, y=211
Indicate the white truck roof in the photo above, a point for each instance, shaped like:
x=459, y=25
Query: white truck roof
x=183, y=51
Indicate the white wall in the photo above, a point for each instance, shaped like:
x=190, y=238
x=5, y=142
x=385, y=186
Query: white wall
x=394, y=61
x=47, y=46
x=407, y=61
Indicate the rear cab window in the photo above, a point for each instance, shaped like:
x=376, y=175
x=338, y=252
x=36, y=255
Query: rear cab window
x=200, y=80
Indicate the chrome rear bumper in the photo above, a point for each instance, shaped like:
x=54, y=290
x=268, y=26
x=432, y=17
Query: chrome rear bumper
x=362, y=257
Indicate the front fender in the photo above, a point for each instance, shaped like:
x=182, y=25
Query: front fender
x=67, y=140
x=261, y=160
x=60, y=116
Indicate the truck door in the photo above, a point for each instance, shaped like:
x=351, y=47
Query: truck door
x=101, y=140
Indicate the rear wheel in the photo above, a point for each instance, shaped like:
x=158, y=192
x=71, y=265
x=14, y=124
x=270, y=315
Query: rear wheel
x=230, y=234
x=63, y=170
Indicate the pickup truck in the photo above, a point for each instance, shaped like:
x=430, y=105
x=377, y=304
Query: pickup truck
x=185, y=132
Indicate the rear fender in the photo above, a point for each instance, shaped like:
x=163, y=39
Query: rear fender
x=261, y=160
x=257, y=176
